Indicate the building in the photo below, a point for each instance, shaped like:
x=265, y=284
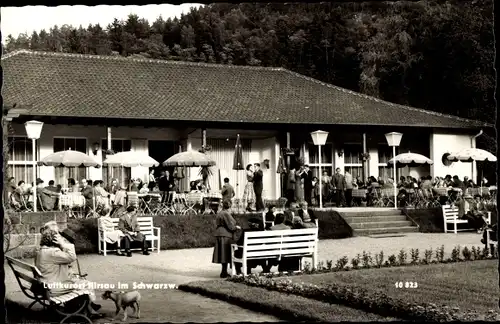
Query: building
x=161, y=107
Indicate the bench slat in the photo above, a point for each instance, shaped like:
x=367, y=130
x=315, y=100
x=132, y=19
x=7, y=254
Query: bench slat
x=24, y=265
x=296, y=232
x=279, y=246
x=277, y=252
x=252, y=241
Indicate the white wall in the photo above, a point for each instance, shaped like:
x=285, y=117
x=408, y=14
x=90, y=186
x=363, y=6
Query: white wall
x=442, y=143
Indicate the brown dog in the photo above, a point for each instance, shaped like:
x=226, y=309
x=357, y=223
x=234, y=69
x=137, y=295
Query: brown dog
x=123, y=300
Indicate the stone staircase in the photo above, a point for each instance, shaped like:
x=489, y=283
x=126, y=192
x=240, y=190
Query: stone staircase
x=376, y=221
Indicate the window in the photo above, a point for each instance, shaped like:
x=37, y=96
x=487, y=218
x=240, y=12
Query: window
x=326, y=158
x=62, y=174
x=352, y=159
x=384, y=155
x=20, y=159
x=109, y=172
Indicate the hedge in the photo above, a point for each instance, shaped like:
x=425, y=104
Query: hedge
x=196, y=231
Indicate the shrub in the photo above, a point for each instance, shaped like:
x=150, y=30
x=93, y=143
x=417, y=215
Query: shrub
x=440, y=254
x=455, y=254
x=467, y=254
x=355, y=262
x=402, y=257
x=329, y=265
x=485, y=253
x=379, y=259
x=341, y=263
x=321, y=266
x=475, y=253
x=307, y=267
x=415, y=257
x=392, y=260
x=367, y=260
x=427, y=256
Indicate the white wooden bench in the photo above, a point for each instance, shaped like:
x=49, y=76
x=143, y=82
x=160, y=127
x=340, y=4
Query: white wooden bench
x=152, y=234
x=275, y=245
x=29, y=279
x=450, y=216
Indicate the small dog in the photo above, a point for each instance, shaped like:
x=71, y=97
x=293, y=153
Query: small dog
x=123, y=300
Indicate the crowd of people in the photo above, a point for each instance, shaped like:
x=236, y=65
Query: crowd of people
x=228, y=231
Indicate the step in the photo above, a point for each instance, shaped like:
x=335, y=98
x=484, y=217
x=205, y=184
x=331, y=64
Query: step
x=385, y=230
x=358, y=213
x=366, y=219
x=374, y=225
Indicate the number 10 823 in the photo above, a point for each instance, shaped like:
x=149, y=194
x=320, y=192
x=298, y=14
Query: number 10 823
x=406, y=284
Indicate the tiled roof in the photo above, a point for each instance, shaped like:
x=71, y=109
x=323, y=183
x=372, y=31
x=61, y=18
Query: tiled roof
x=73, y=85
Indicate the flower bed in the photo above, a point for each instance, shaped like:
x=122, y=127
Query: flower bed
x=353, y=294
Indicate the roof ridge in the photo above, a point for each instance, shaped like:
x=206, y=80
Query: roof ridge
x=145, y=59
x=430, y=112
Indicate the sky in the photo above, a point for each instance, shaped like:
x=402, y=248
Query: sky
x=18, y=20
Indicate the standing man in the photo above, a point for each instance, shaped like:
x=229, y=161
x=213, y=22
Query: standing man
x=227, y=190
x=258, y=187
x=308, y=186
x=340, y=185
x=290, y=186
x=348, y=189
x=164, y=185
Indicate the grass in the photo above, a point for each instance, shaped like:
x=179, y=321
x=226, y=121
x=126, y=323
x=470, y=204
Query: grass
x=467, y=285
x=284, y=306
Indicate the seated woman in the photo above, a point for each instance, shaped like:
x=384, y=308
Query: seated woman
x=113, y=235
x=120, y=202
x=305, y=217
x=254, y=224
x=270, y=216
x=473, y=211
x=101, y=197
x=54, y=259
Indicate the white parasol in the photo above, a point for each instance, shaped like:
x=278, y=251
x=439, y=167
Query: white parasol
x=472, y=154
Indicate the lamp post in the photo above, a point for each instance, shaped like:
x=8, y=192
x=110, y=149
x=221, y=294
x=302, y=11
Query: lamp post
x=319, y=138
x=394, y=139
x=33, y=130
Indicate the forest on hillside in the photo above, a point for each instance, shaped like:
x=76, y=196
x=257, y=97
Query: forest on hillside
x=436, y=55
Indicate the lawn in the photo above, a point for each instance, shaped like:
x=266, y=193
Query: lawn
x=284, y=306
x=467, y=285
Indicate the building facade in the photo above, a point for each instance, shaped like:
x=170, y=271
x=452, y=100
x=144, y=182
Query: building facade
x=161, y=108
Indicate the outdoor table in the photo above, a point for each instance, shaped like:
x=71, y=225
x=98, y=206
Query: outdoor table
x=71, y=200
x=211, y=202
x=358, y=195
x=144, y=201
x=191, y=199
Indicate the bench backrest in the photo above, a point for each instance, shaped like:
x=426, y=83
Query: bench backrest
x=450, y=212
x=145, y=224
x=26, y=274
x=286, y=242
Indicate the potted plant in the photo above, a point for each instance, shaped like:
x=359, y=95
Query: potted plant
x=204, y=173
x=365, y=156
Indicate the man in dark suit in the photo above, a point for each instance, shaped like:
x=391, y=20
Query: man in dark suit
x=227, y=190
x=130, y=227
x=258, y=187
x=340, y=185
x=308, y=186
x=88, y=194
x=51, y=186
x=47, y=198
x=164, y=185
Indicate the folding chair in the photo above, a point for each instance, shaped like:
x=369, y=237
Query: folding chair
x=377, y=199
